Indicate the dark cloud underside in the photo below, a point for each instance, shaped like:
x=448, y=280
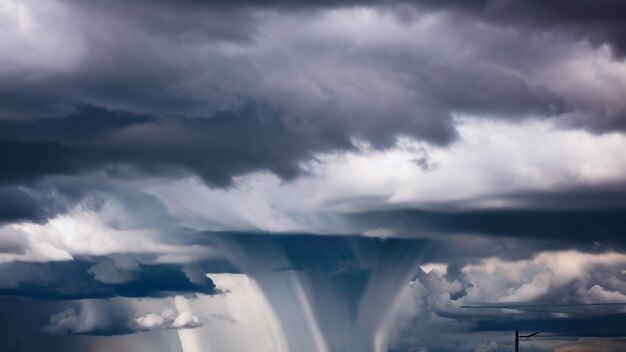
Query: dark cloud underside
x=71, y=280
x=582, y=226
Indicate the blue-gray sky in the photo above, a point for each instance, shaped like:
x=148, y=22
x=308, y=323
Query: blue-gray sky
x=194, y=176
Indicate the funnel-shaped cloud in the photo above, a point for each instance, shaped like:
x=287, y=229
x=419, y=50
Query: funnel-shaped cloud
x=329, y=293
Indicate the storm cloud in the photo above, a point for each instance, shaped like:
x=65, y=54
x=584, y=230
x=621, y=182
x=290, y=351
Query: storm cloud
x=313, y=175
x=285, y=99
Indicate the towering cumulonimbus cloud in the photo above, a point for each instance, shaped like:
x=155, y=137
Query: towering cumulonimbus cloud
x=288, y=174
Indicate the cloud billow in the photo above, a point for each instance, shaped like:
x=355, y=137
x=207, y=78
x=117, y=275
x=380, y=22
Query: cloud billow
x=313, y=153
x=248, y=102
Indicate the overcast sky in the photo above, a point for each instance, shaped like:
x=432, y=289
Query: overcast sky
x=324, y=176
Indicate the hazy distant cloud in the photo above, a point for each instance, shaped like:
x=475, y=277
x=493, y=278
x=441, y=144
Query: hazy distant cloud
x=168, y=320
x=588, y=345
x=63, y=322
x=552, y=280
x=119, y=316
x=70, y=321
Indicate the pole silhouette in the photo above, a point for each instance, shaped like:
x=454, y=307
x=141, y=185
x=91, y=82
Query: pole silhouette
x=517, y=336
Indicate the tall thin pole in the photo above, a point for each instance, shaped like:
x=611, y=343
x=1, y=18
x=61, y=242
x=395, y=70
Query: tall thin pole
x=516, y=340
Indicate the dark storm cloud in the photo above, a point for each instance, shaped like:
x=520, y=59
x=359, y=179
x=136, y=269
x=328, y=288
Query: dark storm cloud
x=588, y=218
x=18, y=205
x=86, y=123
x=23, y=160
x=600, y=21
x=205, y=87
x=123, y=55
x=585, y=226
x=329, y=255
x=601, y=196
x=33, y=202
x=227, y=144
x=34, y=198
x=220, y=89
x=179, y=18
x=79, y=279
